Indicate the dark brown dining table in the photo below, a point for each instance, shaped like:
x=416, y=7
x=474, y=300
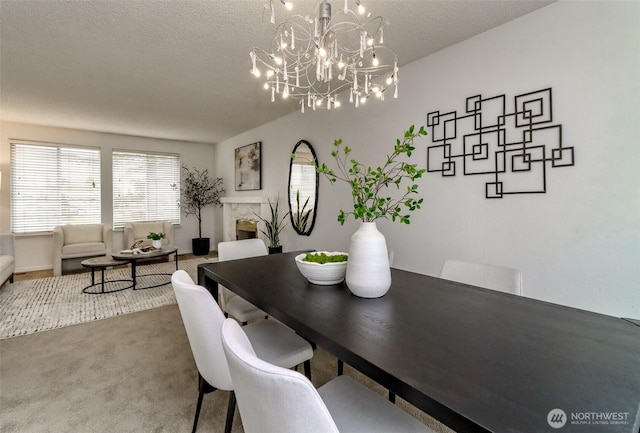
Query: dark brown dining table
x=475, y=359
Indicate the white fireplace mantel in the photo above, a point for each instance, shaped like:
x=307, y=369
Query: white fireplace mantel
x=241, y=207
x=243, y=199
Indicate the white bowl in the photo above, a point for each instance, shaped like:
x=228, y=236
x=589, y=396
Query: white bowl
x=322, y=274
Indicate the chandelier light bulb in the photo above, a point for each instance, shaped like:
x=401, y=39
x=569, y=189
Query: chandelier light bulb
x=389, y=80
x=361, y=9
x=269, y=73
x=266, y=86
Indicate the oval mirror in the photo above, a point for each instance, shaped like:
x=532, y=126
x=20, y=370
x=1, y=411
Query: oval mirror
x=303, y=188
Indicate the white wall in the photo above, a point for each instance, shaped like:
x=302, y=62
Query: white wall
x=35, y=252
x=578, y=244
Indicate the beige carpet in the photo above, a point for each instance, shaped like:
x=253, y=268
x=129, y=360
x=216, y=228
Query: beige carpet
x=131, y=373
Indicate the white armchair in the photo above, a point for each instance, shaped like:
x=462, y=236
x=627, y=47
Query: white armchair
x=138, y=231
x=73, y=243
x=7, y=259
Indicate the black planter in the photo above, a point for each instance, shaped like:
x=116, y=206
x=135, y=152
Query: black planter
x=200, y=246
x=275, y=250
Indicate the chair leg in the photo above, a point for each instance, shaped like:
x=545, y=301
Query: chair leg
x=392, y=397
x=195, y=420
x=340, y=367
x=307, y=369
x=230, y=412
x=203, y=388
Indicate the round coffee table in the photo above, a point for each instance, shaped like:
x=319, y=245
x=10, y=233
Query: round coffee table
x=166, y=250
x=102, y=263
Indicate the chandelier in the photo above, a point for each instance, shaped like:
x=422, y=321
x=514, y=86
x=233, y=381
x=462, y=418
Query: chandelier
x=315, y=59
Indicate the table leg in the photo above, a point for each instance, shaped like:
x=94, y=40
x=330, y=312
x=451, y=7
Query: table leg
x=102, y=282
x=206, y=282
x=133, y=273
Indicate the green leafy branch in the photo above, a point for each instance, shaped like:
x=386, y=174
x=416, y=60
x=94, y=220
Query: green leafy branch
x=368, y=185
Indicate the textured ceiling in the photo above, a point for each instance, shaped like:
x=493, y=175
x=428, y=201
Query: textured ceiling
x=178, y=69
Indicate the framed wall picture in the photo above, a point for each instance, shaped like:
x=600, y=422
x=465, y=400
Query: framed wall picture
x=248, y=163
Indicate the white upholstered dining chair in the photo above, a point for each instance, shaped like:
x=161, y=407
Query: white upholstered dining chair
x=276, y=400
x=494, y=277
x=203, y=320
x=232, y=304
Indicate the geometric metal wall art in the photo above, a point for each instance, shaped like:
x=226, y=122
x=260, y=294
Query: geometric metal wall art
x=513, y=147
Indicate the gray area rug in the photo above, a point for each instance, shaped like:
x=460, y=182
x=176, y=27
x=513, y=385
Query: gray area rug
x=43, y=304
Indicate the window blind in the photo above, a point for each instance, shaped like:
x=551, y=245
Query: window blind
x=146, y=187
x=53, y=185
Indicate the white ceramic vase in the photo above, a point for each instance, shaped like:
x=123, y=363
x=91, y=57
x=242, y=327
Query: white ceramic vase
x=368, y=271
x=157, y=244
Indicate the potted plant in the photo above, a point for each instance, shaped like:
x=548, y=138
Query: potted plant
x=156, y=239
x=368, y=272
x=273, y=227
x=198, y=191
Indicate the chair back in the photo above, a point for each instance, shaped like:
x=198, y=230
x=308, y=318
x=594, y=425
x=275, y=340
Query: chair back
x=234, y=250
x=202, y=320
x=7, y=244
x=138, y=231
x=494, y=277
x=242, y=249
x=271, y=399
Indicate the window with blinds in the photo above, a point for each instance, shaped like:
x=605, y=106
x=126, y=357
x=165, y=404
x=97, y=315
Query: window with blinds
x=146, y=187
x=53, y=185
